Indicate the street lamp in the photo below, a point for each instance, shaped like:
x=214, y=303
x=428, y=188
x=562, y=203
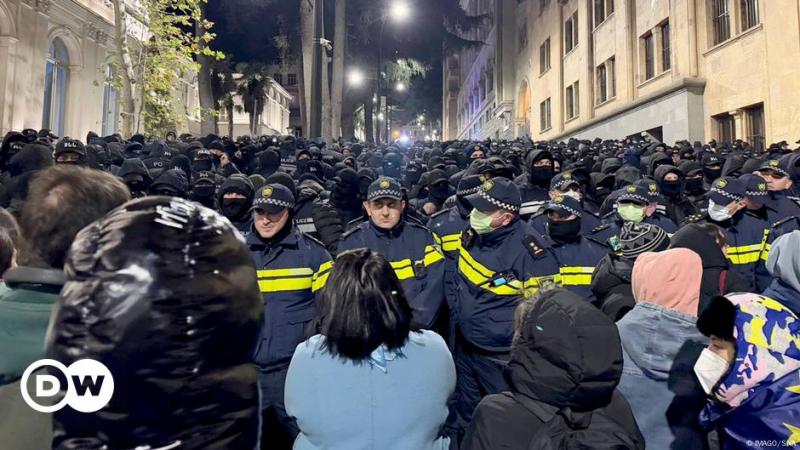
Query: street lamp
x=400, y=11
x=355, y=77
x=400, y=86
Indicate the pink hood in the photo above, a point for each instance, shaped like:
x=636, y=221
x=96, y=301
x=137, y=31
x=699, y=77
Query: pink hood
x=670, y=279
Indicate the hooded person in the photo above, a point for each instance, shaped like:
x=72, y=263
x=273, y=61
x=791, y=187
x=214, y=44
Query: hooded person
x=566, y=362
x=33, y=158
x=70, y=151
x=136, y=176
x=235, y=199
x=345, y=195
x=783, y=264
x=693, y=184
x=566, y=184
x=438, y=192
x=660, y=344
x=171, y=183
x=708, y=241
x=750, y=371
x=182, y=162
x=712, y=169
x=535, y=184
x=611, y=281
x=671, y=184
x=178, y=382
x=204, y=189
x=600, y=187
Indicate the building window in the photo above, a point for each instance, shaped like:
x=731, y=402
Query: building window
x=56, y=80
x=749, y=13
x=291, y=79
x=110, y=104
x=754, y=117
x=648, y=44
x=571, y=33
x=544, y=56
x=278, y=77
x=573, y=101
x=602, y=9
x=726, y=130
x=666, y=57
x=611, y=69
x=721, y=18
x=602, y=84
x=544, y=115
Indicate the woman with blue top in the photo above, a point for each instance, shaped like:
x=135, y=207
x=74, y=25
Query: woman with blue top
x=370, y=379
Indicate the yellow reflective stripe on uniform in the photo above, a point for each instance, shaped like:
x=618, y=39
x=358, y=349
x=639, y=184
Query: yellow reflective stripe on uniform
x=403, y=269
x=744, y=249
x=437, y=239
x=746, y=258
x=451, y=242
x=274, y=273
x=284, y=284
x=321, y=276
x=575, y=276
x=432, y=256
x=480, y=276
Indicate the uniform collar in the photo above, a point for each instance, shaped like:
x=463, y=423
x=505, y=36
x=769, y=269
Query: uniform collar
x=283, y=239
x=392, y=233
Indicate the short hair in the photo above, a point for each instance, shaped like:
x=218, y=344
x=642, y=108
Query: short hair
x=63, y=200
x=6, y=251
x=363, y=306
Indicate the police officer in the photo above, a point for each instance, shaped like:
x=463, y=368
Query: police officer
x=70, y=151
x=534, y=184
x=776, y=174
x=565, y=185
x=291, y=268
x=410, y=248
x=744, y=231
x=577, y=255
x=499, y=261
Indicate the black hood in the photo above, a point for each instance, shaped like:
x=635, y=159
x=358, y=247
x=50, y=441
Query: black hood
x=568, y=354
x=663, y=170
x=612, y=271
x=174, y=178
x=693, y=237
x=134, y=166
x=657, y=159
x=626, y=175
x=610, y=165
x=733, y=166
x=32, y=157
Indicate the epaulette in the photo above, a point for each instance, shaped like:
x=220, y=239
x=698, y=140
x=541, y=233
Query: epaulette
x=796, y=200
x=608, y=215
x=468, y=238
x=599, y=228
x=313, y=239
x=783, y=221
x=355, y=222
x=533, y=246
x=349, y=232
x=695, y=218
x=416, y=224
x=597, y=241
x=439, y=213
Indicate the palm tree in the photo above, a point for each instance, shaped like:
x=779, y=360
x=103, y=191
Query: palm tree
x=253, y=86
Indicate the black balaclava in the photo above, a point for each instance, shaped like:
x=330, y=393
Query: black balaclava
x=203, y=193
x=564, y=231
x=202, y=165
x=345, y=194
x=412, y=174
x=541, y=176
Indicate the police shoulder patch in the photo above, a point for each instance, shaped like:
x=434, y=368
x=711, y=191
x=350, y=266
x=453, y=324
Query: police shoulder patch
x=533, y=246
x=783, y=221
x=600, y=228
x=313, y=239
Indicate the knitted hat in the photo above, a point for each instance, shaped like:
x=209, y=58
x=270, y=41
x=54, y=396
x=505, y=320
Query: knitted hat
x=638, y=238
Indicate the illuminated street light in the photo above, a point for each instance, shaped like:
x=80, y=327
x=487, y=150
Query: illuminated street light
x=380, y=116
x=400, y=86
x=400, y=11
x=355, y=77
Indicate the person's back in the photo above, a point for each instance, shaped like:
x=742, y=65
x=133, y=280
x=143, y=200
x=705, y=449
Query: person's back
x=565, y=365
x=660, y=344
x=360, y=406
x=369, y=380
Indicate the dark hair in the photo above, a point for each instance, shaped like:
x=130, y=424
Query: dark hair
x=714, y=232
x=9, y=223
x=363, y=306
x=6, y=251
x=62, y=200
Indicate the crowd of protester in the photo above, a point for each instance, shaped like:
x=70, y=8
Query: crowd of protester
x=274, y=292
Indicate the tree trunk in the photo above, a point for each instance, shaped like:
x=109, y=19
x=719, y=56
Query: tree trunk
x=128, y=104
x=337, y=88
x=208, y=120
x=348, y=124
x=230, y=120
x=369, y=127
x=307, y=53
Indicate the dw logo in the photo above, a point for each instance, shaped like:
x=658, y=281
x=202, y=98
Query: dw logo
x=89, y=385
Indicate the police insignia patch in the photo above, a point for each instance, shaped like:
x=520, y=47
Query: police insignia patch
x=653, y=187
x=488, y=185
x=721, y=184
x=631, y=189
x=384, y=184
x=267, y=192
x=762, y=187
x=567, y=176
x=559, y=199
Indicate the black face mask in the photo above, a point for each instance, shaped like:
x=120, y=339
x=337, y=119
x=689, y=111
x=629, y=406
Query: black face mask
x=203, y=191
x=412, y=176
x=302, y=165
x=712, y=174
x=234, y=208
x=694, y=186
x=671, y=188
x=200, y=165
x=217, y=161
x=564, y=231
x=541, y=176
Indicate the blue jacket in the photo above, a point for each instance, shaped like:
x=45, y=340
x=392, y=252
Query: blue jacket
x=290, y=272
x=577, y=262
x=447, y=227
x=659, y=350
x=494, y=271
x=415, y=257
x=393, y=401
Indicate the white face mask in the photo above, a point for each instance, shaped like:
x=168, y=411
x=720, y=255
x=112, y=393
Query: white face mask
x=710, y=368
x=574, y=194
x=718, y=213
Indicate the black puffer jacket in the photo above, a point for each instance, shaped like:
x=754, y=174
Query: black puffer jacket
x=611, y=285
x=717, y=279
x=568, y=357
